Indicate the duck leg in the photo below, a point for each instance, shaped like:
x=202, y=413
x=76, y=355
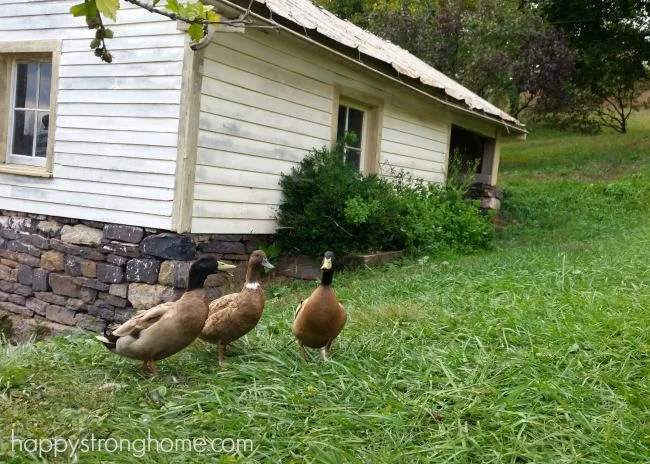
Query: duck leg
x=324, y=354
x=222, y=354
x=328, y=347
x=327, y=350
x=144, y=368
x=303, y=353
x=153, y=368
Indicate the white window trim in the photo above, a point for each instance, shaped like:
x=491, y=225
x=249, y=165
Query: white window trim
x=23, y=159
x=373, y=108
x=364, y=136
x=10, y=53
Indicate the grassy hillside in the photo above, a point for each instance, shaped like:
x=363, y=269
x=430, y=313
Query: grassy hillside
x=537, y=350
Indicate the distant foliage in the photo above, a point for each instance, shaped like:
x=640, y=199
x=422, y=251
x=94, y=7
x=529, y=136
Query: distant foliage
x=330, y=205
x=579, y=65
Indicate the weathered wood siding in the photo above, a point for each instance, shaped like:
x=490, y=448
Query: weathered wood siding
x=116, y=125
x=266, y=101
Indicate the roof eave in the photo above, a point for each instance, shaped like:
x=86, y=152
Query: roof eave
x=509, y=129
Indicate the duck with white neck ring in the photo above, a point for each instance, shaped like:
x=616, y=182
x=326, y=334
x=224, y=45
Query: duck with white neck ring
x=320, y=318
x=233, y=316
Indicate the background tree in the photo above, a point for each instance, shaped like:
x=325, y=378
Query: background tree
x=584, y=61
x=503, y=50
x=612, y=40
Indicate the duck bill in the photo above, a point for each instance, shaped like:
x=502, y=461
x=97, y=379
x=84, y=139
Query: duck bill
x=267, y=264
x=327, y=264
x=226, y=267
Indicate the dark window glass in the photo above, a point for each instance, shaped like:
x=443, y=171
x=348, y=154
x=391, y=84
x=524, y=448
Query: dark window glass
x=353, y=157
x=44, y=86
x=23, y=136
x=341, y=123
x=350, y=120
x=41, y=133
x=26, y=82
x=355, y=125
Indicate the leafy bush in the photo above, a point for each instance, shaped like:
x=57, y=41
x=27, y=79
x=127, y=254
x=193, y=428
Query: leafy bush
x=330, y=205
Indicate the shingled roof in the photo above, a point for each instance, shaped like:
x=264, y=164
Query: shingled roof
x=308, y=16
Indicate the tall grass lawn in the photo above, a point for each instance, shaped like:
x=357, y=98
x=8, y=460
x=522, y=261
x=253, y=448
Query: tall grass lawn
x=536, y=350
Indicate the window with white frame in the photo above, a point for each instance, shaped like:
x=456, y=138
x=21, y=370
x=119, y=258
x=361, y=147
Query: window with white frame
x=28, y=96
x=29, y=112
x=351, y=120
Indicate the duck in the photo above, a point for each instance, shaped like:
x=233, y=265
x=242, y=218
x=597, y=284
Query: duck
x=234, y=315
x=166, y=329
x=319, y=319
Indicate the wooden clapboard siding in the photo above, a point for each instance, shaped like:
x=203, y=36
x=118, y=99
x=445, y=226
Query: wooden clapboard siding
x=266, y=101
x=90, y=213
x=234, y=226
x=117, y=124
x=116, y=110
x=234, y=194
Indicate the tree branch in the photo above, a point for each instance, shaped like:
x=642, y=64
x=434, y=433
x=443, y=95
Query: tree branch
x=243, y=20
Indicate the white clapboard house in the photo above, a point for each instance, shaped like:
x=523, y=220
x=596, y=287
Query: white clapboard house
x=195, y=141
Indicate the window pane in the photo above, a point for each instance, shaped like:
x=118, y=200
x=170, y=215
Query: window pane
x=26, y=77
x=44, y=86
x=355, y=124
x=340, y=128
x=41, y=133
x=23, y=139
x=353, y=157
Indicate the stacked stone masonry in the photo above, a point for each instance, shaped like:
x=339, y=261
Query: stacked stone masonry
x=84, y=273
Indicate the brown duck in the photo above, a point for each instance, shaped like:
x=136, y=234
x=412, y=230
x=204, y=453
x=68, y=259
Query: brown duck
x=166, y=329
x=320, y=318
x=233, y=316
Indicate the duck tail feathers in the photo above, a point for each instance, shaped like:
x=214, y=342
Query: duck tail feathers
x=108, y=339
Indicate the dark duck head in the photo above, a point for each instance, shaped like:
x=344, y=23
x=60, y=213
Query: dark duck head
x=201, y=269
x=328, y=268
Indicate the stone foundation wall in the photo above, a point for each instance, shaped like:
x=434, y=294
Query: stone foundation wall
x=489, y=195
x=84, y=273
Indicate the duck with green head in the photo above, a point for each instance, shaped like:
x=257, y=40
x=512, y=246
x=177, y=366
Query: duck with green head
x=166, y=329
x=320, y=318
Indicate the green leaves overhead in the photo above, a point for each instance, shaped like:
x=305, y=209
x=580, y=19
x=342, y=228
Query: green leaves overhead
x=92, y=10
x=173, y=6
x=193, y=11
x=108, y=8
x=196, y=14
x=79, y=10
x=196, y=32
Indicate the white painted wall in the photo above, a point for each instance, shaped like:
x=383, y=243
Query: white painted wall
x=266, y=101
x=117, y=124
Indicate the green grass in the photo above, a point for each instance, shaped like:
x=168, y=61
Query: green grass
x=537, y=350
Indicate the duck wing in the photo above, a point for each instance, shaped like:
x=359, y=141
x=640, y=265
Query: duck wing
x=223, y=304
x=299, y=308
x=143, y=319
x=221, y=309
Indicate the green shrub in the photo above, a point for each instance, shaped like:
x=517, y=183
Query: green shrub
x=330, y=205
x=438, y=217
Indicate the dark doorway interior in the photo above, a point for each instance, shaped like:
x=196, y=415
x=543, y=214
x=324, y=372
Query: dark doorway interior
x=470, y=154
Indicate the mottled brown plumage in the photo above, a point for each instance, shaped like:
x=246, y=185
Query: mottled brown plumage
x=320, y=318
x=233, y=316
x=166, y=329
